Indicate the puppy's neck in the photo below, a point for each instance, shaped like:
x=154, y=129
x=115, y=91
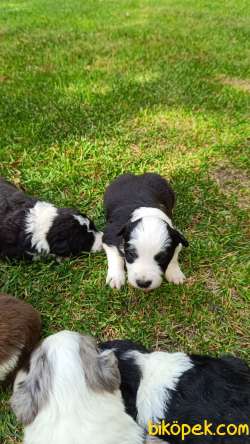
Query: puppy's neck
x=142, y=212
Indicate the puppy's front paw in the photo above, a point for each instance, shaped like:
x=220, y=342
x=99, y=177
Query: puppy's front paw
x=174, y=274
x=116, y=279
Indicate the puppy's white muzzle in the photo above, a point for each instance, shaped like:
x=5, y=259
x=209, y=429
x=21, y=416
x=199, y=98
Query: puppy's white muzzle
x=143, y=279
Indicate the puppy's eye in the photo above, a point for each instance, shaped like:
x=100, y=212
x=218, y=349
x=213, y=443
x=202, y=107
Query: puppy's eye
x=162, y=259
x=130, y=256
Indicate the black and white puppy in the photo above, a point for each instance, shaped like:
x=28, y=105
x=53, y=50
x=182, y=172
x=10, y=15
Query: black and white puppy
x=30, y=227
x=140, y=233
x=188, y=389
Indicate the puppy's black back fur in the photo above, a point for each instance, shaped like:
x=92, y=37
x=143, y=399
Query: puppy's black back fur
x=129, y=192
x=11, y=197
x=13, y=207
x=214, y=389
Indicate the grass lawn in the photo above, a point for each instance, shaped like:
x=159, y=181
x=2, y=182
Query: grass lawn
x=92, y=89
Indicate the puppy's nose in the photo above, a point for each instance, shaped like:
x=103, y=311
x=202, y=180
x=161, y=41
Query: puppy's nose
x=143, y=284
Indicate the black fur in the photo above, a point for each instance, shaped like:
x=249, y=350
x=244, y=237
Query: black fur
x=215, y=389
x=66, y=236
x=14, y=205
x=128, y=193
x=130, y=373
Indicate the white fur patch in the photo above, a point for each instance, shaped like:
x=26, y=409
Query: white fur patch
x=9, y=365
x=97, y=245
x=173, y=272
x=150, y=212
x=82, y=220
x=116, y=273
x=161, y=372
x=38, y=223
x=148, y=239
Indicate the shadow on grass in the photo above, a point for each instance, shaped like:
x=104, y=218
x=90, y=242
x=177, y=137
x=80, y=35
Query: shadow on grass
x=45, y=109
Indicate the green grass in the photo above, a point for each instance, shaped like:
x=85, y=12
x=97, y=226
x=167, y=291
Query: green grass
x=89, y=90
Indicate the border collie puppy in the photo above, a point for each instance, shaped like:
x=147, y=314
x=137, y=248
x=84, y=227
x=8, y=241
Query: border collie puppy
x=140, y=233
x=70, y=394
x=30, y=227
x=20, y=330
x=190, y=389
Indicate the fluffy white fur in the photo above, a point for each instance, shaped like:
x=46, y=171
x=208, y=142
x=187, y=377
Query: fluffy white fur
x=38, y=223
x=150, y=212
x=173, y=272
x=160, y=372
x=74, y=412
x=116, y=273
x=148, y=238
x=9, y=365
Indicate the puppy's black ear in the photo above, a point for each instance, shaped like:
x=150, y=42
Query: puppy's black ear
x=31, y=389
x=122, y=230
x=126, y=229
x=178, y=237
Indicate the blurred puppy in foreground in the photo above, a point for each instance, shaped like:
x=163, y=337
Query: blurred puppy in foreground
x=188, y=389
x=70, y=394
x=30, y=228
x=20, y=329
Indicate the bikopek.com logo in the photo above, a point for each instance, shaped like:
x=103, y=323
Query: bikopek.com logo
x=165, y=428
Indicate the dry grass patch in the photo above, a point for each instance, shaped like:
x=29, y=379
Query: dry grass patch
x=241, y=84
x=136, y=150
x=4, y=79
x=232, y=180
x=210, y=282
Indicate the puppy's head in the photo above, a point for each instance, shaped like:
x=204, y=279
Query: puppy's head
x=72, y=233
x=66, y=367
x=149, y=246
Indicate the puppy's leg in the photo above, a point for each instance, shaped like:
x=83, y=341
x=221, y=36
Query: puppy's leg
x=173, y=272
x=116, y=272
